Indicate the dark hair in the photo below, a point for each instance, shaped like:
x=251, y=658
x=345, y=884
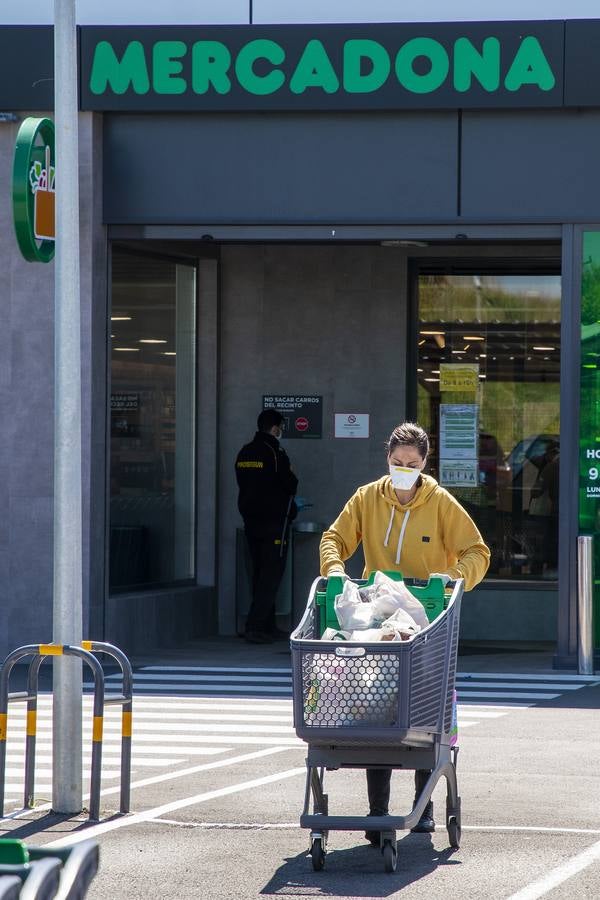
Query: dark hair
x=268, y=418
x=409, y=434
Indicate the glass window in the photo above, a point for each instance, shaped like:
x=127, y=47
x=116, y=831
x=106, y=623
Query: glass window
x=488, y=393
x=152, y=422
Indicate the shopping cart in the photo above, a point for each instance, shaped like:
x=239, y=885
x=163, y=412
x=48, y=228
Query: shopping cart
x=382, y=704
x=46, y=873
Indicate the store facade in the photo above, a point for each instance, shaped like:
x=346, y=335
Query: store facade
x=381, y=220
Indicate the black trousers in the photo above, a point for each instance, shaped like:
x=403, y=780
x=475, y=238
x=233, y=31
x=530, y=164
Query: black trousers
x=378, y=788
x=268, y=565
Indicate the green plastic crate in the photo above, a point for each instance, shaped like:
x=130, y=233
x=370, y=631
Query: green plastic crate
x=13, y=852
x=431, y=595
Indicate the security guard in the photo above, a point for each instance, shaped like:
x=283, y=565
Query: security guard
x=267, y=487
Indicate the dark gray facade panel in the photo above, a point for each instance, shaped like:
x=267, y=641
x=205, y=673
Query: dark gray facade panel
x=582, y=63
x=26, y=67
x=280, y=168
x=531, y=165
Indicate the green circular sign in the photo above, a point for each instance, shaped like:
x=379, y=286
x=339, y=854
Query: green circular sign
x=34, y=173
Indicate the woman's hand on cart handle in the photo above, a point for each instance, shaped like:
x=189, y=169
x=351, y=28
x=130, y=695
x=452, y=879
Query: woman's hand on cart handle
x=445, y=578
x=339, y=573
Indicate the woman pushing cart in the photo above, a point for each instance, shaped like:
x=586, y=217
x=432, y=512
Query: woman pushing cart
x=407, y=524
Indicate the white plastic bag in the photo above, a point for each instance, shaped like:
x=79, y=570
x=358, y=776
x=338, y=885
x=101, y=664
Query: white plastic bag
x=388, y=596
x=399, y=627
x=350, y=610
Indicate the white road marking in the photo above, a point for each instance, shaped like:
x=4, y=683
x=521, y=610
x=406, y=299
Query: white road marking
x=525, y=684
x=144, y=782
x=504, y=696
x=177, y=688
x=238, y=679
x=535, y=828
x=136, y=818
x=559, y=875
x=184, y=669
x=263, y=825
x=585, y=679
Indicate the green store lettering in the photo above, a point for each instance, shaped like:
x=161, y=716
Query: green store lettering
x=366, y=67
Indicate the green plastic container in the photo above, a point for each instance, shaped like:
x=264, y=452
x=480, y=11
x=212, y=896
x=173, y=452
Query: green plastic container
x=431, y=595
x=13, y=852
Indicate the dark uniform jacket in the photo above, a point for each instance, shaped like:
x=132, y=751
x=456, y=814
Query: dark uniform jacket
x=267, y=484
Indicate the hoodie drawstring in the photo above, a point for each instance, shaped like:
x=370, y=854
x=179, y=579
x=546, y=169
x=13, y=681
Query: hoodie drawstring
x=389, y=528
x=401, y=538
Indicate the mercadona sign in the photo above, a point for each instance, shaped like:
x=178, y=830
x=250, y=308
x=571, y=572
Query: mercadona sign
x=34, y=175
x=335, y=67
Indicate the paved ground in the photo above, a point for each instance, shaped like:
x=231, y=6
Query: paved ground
x=218, y=780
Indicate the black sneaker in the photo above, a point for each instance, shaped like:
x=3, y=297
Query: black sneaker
x=425, y=825
x=278, y=635
x=258, y=637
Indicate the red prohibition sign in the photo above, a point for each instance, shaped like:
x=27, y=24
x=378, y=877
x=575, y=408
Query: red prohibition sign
x=301, y=424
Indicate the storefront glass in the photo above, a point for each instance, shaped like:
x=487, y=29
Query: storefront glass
x=152, y=431
x=488, y=392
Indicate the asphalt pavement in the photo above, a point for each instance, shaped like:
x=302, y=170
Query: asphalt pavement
x=218, y=787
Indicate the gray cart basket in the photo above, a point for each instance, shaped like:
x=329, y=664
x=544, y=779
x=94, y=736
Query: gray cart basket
x=372, y=705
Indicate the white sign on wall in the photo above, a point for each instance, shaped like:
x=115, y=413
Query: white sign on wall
x=351, y=425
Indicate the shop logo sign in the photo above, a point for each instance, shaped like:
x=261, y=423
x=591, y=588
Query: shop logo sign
x=34, y=176
x=262, y=67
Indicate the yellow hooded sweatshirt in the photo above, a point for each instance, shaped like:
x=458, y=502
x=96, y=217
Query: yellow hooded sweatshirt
x=432, y=533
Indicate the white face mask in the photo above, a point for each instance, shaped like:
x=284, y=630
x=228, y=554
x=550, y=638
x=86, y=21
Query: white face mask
x=403, y=478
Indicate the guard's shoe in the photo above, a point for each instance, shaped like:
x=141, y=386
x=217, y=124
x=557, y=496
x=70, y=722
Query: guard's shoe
x=278, y=635
x=258, y=637
x=425, y=825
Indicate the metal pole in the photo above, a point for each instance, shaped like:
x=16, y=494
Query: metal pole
x=66, y=780
x=585, y=589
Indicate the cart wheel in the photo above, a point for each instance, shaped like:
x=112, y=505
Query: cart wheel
x=317, y=854
x=454, y=832
x=390, y=856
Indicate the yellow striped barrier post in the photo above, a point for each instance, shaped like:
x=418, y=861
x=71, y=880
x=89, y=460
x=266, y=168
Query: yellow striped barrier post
x=39, y=652
x=125, y=699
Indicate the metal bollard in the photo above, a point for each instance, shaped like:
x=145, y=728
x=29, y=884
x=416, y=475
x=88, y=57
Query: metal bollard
x=585, y=592
x=126, y=701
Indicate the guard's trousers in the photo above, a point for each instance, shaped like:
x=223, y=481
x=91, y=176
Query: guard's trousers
x=268, y=565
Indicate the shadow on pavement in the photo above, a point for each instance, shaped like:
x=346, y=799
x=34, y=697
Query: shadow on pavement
x=358, y=871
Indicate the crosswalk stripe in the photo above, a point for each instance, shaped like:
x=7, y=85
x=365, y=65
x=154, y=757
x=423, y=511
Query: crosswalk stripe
x=506, y=695
x=221, y=686
x=221, y=677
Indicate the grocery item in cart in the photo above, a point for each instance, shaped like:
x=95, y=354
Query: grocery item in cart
x=342, y=691
x=371, y=605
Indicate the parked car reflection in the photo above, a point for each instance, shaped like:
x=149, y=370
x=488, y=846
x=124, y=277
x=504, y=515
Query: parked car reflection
x=516, y=477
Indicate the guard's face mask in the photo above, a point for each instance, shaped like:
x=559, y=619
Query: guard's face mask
x=403, y=478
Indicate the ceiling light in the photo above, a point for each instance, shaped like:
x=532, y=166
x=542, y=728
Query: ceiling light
x=419, y=370
x=120, y=318
x=472, y=337
x=483, y=376
x=433, y=332
x=432, y=379
x=127, y=349
x=483, y=356
x=151, y=341
x=544, y=348
x=422, y=342
x=435, y=371
x=169, y=353
x=459, y=351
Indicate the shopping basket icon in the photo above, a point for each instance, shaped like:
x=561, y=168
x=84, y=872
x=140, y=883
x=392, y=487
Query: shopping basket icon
x=387, y=704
